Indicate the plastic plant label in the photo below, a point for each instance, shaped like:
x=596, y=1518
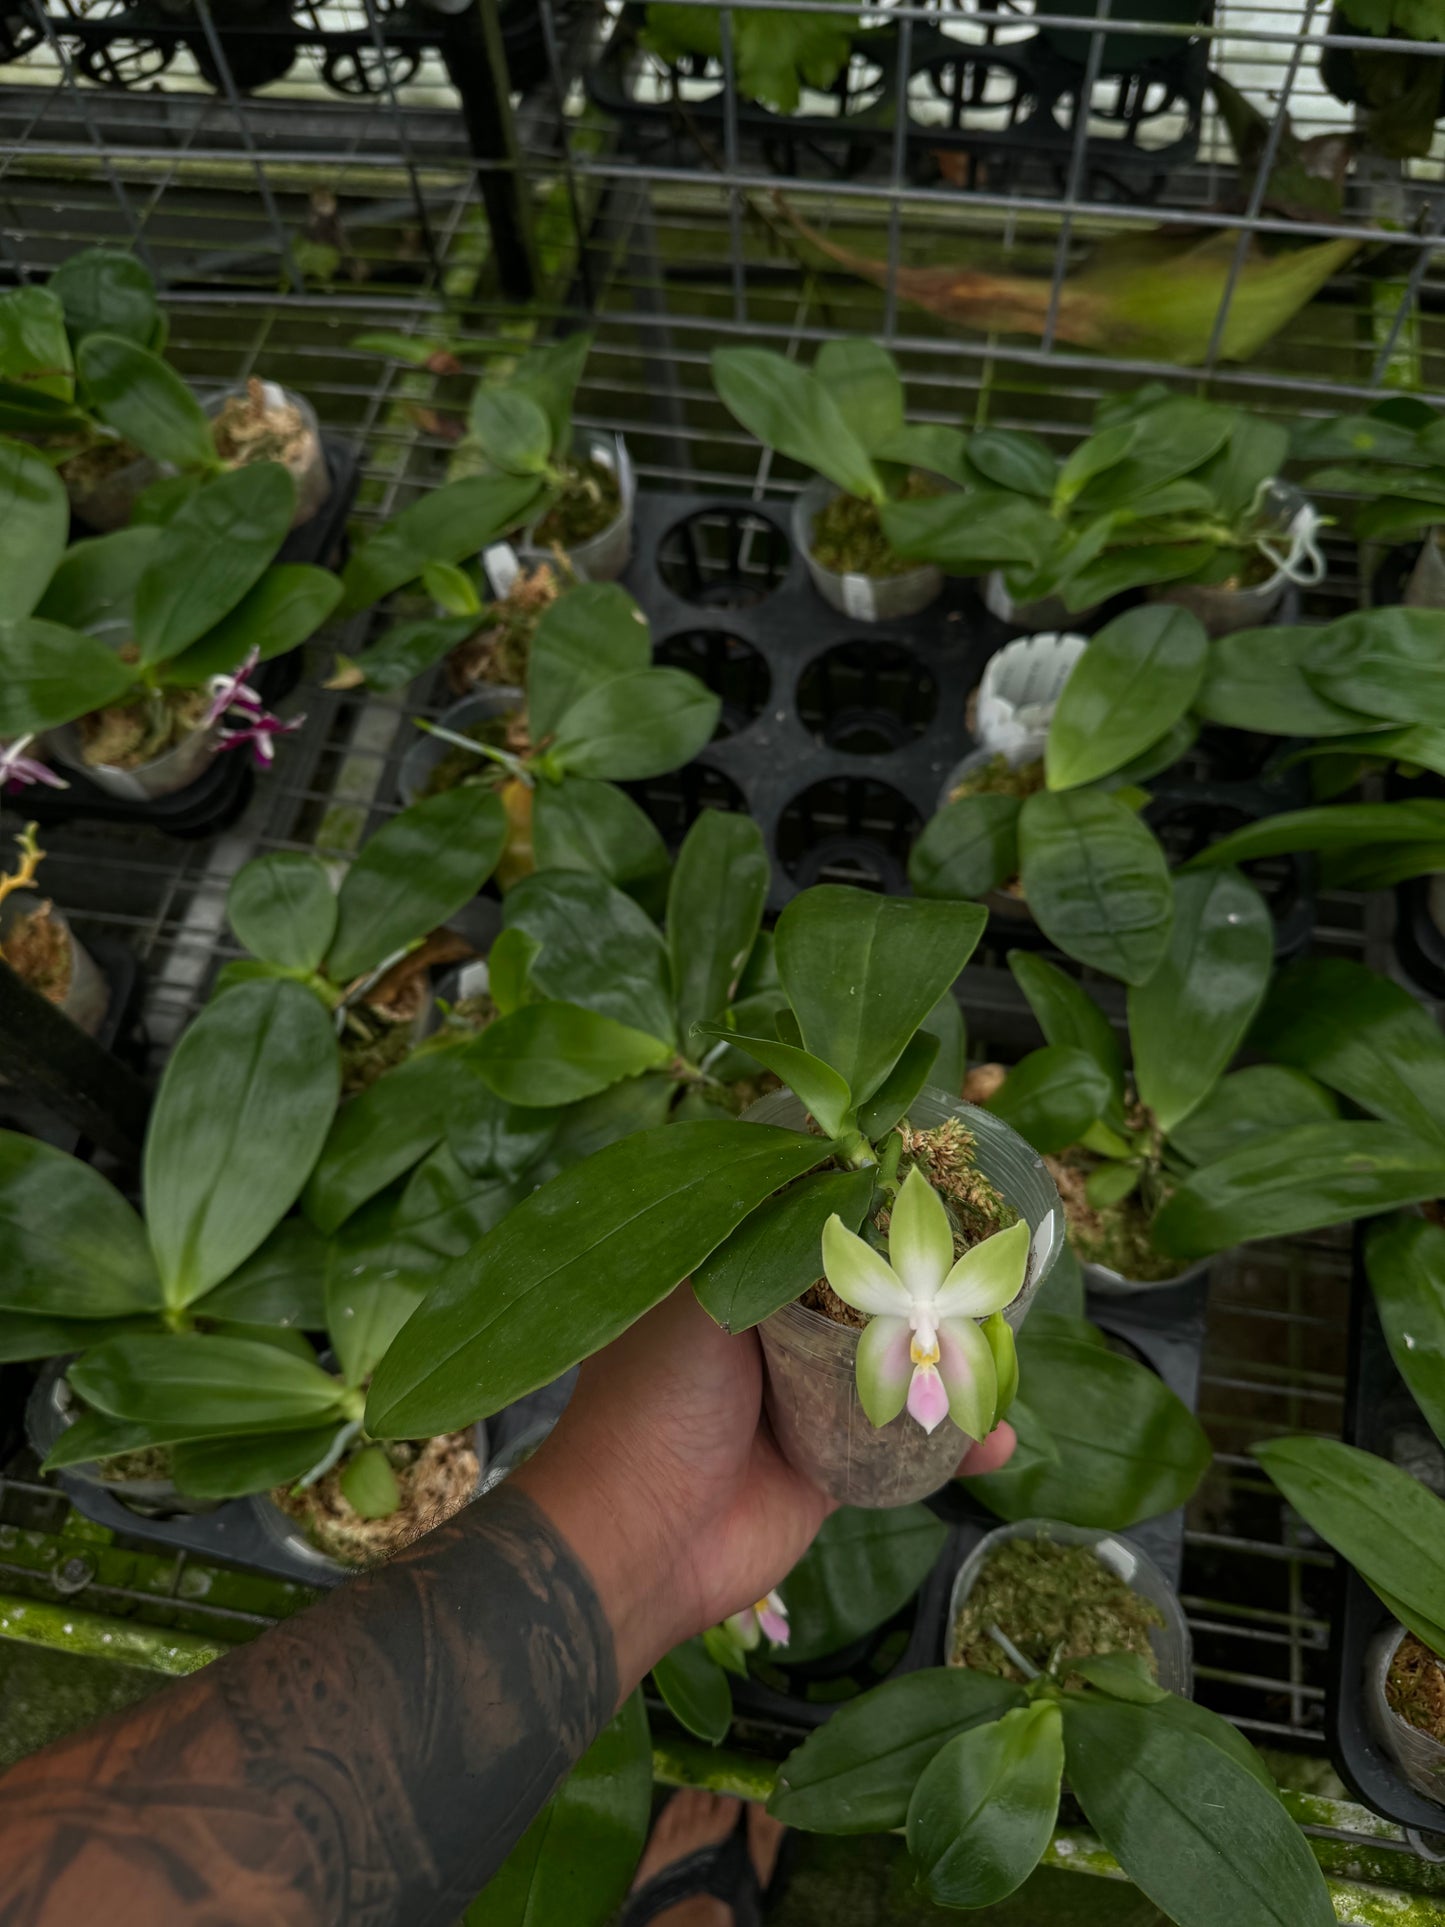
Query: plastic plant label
x=858, y=598
x=502, y=567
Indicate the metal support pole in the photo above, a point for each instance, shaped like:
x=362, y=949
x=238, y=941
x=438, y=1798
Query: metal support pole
x=477, y=65
x=47, y=1057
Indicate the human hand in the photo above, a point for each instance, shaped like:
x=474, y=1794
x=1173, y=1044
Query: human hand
x=668, y=1485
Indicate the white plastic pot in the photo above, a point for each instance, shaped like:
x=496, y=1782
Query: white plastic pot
x=866, y=598
x=162, y=776
x=1046, y=613
x=602, y=557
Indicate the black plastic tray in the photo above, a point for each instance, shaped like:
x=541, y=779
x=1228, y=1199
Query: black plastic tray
x=1030, y=83
x=1377, y=1405
x=217, y=797
x=836, y=734
x=1188, y=816
x=122, y=972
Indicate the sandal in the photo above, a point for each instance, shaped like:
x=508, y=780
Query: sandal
x=723, y=1872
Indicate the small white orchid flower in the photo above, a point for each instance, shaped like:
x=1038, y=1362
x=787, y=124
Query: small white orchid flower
x=922, y=1346
x=768, y=1619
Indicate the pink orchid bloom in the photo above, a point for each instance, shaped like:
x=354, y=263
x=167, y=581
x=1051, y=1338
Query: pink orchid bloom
x=17, y=769
x=233, y=695
x=768, y=1619
x=923, y=1347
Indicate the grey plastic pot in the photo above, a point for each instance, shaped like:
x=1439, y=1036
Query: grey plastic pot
x=1223, y=610
x=812, y=1392
x=1420, y=1758
x=1425, y=588
x=162, y=776
x=87, y=995
x=604, y=556
x=109, y=505
x=1173, y=1648
x=1113, y=1284
x=1029, y=618
x=866, y=598
x=423, y=756
x=53, y=1408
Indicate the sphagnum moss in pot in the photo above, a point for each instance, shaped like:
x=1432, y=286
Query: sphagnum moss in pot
x=752, y=1214
x=264, y=422
x=376, y=1498
x=42, y=949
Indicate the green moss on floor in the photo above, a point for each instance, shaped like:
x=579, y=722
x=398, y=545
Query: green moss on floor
x=839, y=1882
x=44, y=1695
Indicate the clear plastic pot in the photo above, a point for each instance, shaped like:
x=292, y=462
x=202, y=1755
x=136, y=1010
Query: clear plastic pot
x=87, y=994
x=812, y=1392
x=1029, y=618
x=107, y=503
x=306, y=463
x=1425, y=588
x=1173, y=1648
x=162, y=776
x=53, y=1408
x=866, y=598
x=285, y=1532
x=1289, y=519
x=428, y=751
x=602, y=557
x=1420, y=1758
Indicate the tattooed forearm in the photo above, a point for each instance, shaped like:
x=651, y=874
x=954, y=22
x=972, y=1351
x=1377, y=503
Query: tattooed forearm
x=370, y=1762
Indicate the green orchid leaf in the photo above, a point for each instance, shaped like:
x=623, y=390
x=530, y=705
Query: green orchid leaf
x=1208, y=1726
x=966, y=534
x=597, y=949
x=95, y=581
x=1188, y=1020
x=984, y=1809
x=1125, y=1447
x=34, y=345
x=1254, y=454
x=1363, y=1036
x=1380, y=866
x=102, y=290
x=1068, y=1015
x=1096, y=881
x=74, y=1249
x=95, y=1435
x=714, y=910
x=282, y=1283
x=1094, y=457
x=585, y=639
x=776, y=1253
x=414, y=873
x=862, y=973
x=211, y=552
x=575, y=1862
x=554, y=1053
x=365, y=1309
x=211, y=1386
x=1302, y=1180
x=592, y=1253
x=968, y=849
x=232, y=1468
x=492, y=1139
x=240, y=1118
x=1336, y=826
x=287, y=605
x=509, y=970
x=513, y=430
x=1257, y=1102
x=388, y=1128
x=1062, y=1293
x=929, y=446
x=1388, y=663
x=1405, y=1264
x=863, y=380
x=696, y=1691
x=903, y=1083
x=1116, y=570
x=53, y=675
x=283, y=909
x=437, y=1213
x=946, y=1073
x=407, y=649
x=1257, y=680
x=28, y=1335
x=857, y=1774
x=1053, y=1096
x=641, y=1104
x=636, y=726
x=1123, y=1676
x=1134, y=682
x=1012, y=458
x=34, y=528
x=1189, y=1824
x=448, y=524
x=793, y=410
x=863, y=1567
x=816, y=1084
x=369, y=1485
x=143, y=399
x=583, y=824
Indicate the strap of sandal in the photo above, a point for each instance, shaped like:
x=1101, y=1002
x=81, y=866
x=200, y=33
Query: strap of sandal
x=723, y=1872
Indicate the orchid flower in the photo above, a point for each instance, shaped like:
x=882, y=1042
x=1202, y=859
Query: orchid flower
x=18, y=769
x=233, y=695
x=922, y=1346
x=768, y=1619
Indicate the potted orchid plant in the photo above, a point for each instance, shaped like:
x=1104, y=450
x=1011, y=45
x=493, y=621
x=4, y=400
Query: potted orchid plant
x=41, y=948
x=133, y=653
x=739, y=1207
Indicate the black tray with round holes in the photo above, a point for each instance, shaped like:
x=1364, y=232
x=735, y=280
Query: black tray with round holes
x=836, y=735
x=980, y=113
x=219, y=795
x=1188, y=816
x=1378, y=1410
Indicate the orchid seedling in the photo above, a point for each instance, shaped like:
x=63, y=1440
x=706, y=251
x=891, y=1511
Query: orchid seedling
x=923, y=1347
